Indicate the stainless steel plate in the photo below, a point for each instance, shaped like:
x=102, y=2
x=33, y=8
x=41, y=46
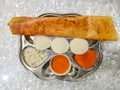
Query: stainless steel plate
x=43, y=71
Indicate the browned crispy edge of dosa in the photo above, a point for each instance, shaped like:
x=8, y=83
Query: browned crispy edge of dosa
x=88, y=27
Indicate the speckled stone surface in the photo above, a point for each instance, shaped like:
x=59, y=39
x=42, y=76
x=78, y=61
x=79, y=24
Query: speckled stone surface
x=13, y=76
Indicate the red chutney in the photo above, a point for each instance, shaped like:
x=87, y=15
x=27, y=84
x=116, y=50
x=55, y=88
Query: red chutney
x=86, y=60
x=60, y=64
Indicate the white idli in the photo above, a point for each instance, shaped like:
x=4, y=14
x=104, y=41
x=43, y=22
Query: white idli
x=42, y=42
x=79, y=46
x=60, y=45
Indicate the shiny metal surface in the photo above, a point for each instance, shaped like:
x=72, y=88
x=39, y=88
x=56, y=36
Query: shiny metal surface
x=43, y=71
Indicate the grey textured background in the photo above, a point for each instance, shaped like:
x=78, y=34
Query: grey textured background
x=13, y=76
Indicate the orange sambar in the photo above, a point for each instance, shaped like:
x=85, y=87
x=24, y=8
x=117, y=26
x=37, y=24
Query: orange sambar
x=60, y=64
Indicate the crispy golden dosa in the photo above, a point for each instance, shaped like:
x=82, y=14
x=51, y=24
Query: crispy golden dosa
x=88, y=27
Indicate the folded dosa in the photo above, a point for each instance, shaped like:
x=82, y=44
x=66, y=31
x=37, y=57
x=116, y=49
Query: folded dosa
x=88, y=27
